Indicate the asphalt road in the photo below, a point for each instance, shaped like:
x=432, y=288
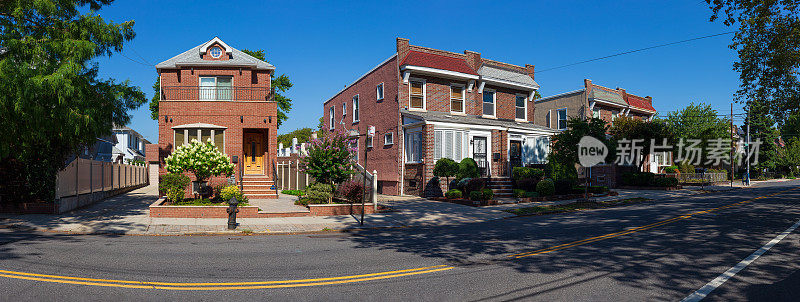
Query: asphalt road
x=597, y=255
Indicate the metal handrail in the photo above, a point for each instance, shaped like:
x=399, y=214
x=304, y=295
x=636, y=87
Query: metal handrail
x=239, y=93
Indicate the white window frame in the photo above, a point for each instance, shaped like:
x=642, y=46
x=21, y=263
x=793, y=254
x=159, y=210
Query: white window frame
x=558, y=118
x=424, y=94
x=525, y=103
x=549, y=118
x=357, y=149
x=356, y=109
x=596, y=110
x=408, y=135
x=464, y=134
x=379, y=91
x=388, y=138
x=211, y=52
x=463, y=98
x=494, y=103
x=344, y=109
x=199, y=137
x=215, y=92
x=332, y=113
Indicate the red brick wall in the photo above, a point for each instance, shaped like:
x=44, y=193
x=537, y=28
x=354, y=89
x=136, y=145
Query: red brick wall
x=151, y=153
x=383, y=114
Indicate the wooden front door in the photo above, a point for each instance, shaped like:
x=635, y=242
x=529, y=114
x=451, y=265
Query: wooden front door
x=253, y=153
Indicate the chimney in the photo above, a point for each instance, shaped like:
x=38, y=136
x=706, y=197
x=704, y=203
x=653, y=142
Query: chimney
x=623, y=93
x=530, y=69
x=402, y=49
x=649, y=99
x=473, y=59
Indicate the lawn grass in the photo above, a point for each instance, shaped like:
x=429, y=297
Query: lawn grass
x=574, y=206
x=205, y=202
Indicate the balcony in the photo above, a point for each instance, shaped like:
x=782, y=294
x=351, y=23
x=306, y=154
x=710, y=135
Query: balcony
x=230, y=93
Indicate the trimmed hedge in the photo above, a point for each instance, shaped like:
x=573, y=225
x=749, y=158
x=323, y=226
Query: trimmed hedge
x=545, y=187
x=454, y=194
x=468, y=168
x=647, y=179
x=519, y=173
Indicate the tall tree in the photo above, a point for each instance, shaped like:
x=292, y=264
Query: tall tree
x=564, y=153
x=52, y=101
x=698, y=121
x=155, y=99
x=767, y=41
x=654, y=131
x=762, y=127
x=281, y=84
x=303, y=135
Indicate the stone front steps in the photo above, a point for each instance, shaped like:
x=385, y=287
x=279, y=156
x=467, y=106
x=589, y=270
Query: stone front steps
x=258, y=187
x=501, y=186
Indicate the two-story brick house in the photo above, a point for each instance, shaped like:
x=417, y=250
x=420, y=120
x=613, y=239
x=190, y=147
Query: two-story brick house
x=428, y=104
x=214, y=91
x=595, y=101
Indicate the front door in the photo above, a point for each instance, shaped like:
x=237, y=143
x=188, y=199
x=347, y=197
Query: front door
x=479, y=154
x=253, y=153
x=515, y=154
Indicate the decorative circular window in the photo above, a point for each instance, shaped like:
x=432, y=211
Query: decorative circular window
x=216, y=52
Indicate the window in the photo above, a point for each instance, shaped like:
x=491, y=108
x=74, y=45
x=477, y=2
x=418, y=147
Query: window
x=344, y=109
x=186, y=135
x=216, y=88
x=562, y=118
x=332, y=118
x=596, y=112
x=449, y=144
x=417, y=94
x=388, y=138
x=548, y=119
x=355, y=109
x=457, y=98
x=614, y=115
x=413, y=147
x=488, y=102
x=354, y=145
x=379, y=91
x=520, y=108
x=216, y=52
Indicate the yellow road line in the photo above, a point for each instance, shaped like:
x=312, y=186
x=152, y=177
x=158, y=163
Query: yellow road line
x=636, y=229
x=242, y=285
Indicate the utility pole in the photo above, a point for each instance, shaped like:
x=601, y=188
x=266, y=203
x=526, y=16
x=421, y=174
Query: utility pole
x=731, y=145
x=748, y=146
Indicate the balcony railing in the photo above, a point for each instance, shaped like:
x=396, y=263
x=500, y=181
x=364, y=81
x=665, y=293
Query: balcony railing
x=234, y=93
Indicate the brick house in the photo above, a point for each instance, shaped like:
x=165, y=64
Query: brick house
x=428, y=104
x=214, y=91
x=599, y=102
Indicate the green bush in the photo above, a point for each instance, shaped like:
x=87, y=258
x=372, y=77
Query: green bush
x=476, y=195
x=454, y=194
x=545, y=187
x=488, y=194
x=527, y=184
x=519, y=173
x=475, y=184
x=564, y=186
x=463, y=183
x=665, y=182
x=174, y=186
x=468, y=168
x=671, y=169
x=317, y=193
x=531, y=194
x=445, y=168
x=685, y=167
x=232, y=192
x=638, y=179
x=293, y=192
x=519, y=193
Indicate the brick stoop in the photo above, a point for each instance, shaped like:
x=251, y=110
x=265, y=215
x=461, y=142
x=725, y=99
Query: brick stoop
x=258, y=187
x=501, y=186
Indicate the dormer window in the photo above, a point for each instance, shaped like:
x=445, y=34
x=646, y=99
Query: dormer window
x=216, y=52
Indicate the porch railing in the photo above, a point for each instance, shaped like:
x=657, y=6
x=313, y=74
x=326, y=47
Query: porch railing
x=193, y=93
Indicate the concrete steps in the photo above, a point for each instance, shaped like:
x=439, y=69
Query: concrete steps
x=501, y=186
x=258, y=187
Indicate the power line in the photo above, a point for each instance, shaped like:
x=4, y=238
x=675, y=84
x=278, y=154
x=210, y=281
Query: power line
x=635, y=50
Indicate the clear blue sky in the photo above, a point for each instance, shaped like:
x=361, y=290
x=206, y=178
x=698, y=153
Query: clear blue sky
x=323, y=46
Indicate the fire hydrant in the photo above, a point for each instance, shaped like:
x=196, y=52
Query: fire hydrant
x=232, y=210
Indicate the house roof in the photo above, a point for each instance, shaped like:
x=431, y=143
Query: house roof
x=430, y=60
x=435, y=116
x=639, y=102
x=608, y=95
x=193, y=57
x=491, y=72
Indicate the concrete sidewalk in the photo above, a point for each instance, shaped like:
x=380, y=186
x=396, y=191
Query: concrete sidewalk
x=129, y=214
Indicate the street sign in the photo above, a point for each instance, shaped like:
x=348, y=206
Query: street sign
x=371, y=131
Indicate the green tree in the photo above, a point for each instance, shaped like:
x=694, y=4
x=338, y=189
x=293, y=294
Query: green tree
x=446, y=168
x=762, y=127
x=303, y=135
x=698, y=122
x=52, y=101
x=281, y=84
x=330, y=158
x=767, y=42
x=564, y=152
x=155, y=99
x=650, y=131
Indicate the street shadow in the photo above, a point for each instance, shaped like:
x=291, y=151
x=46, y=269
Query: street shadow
x=666, y=259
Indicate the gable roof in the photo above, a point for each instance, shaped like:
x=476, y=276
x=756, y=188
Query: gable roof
x=193, y=57
x=639, y=103
x=498, y=73
x=430, y=60
x=608, y=95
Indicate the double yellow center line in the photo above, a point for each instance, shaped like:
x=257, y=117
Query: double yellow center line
x=341, y=279
x=224, y=285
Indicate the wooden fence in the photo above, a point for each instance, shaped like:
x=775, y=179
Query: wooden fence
x=84, y=181
x=688, y=178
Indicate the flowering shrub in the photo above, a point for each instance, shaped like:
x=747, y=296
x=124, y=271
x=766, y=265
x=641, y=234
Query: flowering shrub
x=173, y=185
x=330, y=158
x=352, y=190
x=230, y=192
x=202, y=159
